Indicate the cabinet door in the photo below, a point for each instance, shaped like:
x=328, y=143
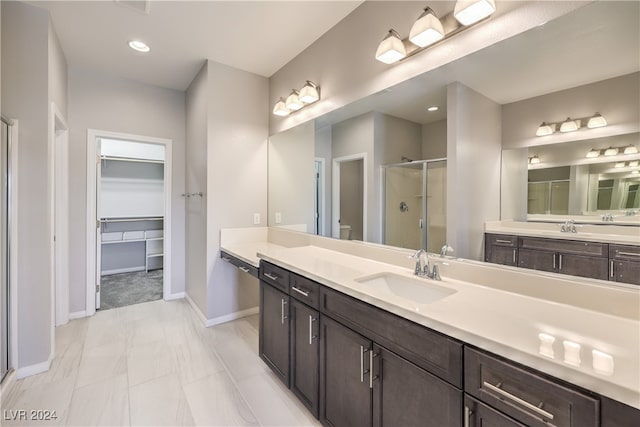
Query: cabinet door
x=304, y=355
x=406, y=395
x=345, y=396
x=274, y=330
x=625, y=271
x=479, y=415
x=503, y=255
x=583, y=266
x=537, y=260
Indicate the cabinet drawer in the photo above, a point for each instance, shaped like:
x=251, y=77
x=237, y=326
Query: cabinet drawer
x=502, y=240
x=275, y=276
x=629, y=253
x=436, y=353
x=304, y=290
x=480, y=415
x=527, y=396
x=565, y=246
x=242, y=266
x=625, y=271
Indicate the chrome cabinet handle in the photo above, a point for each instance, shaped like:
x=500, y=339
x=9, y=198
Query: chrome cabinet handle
x=271, y=276
x=554, y=261
x=311, y=336
x=628, y=253
x=245, y=269
x=467, y=416
x=537, y=409
x=560, y=262
x=283, y=317
x=362, y=370
x=514, y=256
x=611, y=265
x=300, y=291
x=503, y=241
x=372, y=355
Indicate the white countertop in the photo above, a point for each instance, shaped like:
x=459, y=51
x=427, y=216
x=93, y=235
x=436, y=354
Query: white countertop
x=617, y=234
x=248, y=252
x=503, y=322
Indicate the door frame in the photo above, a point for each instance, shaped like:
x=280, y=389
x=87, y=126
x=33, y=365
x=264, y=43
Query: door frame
x=321, y=196
x=59, y=218
x=91, y=241
x=335, y=192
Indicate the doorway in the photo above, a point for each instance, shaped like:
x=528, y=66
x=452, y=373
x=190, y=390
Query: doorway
x=350, y=197
x=129, y=216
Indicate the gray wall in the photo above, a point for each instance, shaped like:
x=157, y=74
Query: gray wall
x=351, y=194
x=25, y=96
x=473, y=168
x=398, y=138
x=434, y=140
x=196, y=181
x=103, y=102
x=237, y=136
x=58, y=73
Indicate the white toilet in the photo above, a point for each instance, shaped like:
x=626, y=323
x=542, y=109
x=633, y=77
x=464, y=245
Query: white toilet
x=345, y=232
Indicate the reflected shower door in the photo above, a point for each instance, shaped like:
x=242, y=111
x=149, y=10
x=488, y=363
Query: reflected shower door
x=436, y=191
x=4, y=253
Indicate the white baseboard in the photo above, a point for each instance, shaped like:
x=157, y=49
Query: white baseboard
x=77, y=314
x=195, y=308
x=38, y=368
x=122, y=270
x=232, y=316
x=177, y=295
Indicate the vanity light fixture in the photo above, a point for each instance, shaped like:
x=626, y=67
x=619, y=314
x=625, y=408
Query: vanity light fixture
x=534, y=160
x=619, y=165
x=139, y=46
x=391, y=49
x=280, y=109
x=546, y=129
x=429, y=29
x=634, y=163
x=469, y=12
x=597, y=121
x=635, y=172
x=593, y=153
x=630, y=149
x=569, y=125
x=611, y=151
x=297, y=100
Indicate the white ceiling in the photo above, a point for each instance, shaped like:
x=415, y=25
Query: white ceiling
x=596, y=42
x=255, y=36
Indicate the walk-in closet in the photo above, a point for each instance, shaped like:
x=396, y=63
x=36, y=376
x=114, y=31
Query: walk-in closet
x=131, y=233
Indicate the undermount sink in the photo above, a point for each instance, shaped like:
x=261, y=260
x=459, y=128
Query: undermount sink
x=418, y=290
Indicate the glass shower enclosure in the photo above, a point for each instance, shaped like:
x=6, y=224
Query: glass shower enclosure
x=415, y=204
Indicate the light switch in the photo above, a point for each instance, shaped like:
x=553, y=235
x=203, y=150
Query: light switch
x=278, y=217
x=256, y=218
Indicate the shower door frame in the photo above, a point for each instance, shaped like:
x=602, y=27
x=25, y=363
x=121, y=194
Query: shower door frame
x=383, y=191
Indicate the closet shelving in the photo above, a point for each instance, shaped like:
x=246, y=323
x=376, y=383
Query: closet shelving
x=153, y=239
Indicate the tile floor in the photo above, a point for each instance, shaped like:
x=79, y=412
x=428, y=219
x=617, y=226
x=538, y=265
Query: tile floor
x=155, y=364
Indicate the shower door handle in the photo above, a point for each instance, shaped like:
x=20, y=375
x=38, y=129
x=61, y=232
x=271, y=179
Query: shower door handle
x=420, y=224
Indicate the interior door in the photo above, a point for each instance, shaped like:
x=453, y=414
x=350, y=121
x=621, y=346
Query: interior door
x=98, y=224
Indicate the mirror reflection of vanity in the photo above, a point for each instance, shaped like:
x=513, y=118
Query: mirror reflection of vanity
x=544, y=74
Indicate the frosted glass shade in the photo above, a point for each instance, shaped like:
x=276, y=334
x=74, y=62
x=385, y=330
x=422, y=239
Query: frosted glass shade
x=611, y=151
x=293, y=103
x=426, y=30
x=631, y=149
x=309, y=93
x=593, y=153
x=469, y=12
x=569, y=125
x=545, y=129
x=596, y=121
x=391, y=49
x=280, y=109
x=535, y=160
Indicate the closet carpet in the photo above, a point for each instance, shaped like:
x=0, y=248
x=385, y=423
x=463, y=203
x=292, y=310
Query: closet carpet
x=119, y=290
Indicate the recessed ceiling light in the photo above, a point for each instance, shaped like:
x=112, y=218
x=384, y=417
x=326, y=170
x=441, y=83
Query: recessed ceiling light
x=433, y=108
x=138, y=45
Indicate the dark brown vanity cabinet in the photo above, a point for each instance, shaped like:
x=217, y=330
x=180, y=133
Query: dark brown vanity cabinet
x=624, y=264
x=305, y=354
x=501, y=249
x=480, y=415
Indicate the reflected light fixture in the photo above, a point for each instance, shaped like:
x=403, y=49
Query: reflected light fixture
x=427, y=29
x=293, y=102
x=280, y=109
x=546, y=129
x=535, y=160
x=569, y=125
x=597, y=121
x=611, y=151
x=630, y=149
x=391, y=49
x=619, y=165
x=593, y=153
x=635, y=172
x=433, y=108
x=139, y=46
x=634, y=163
x=468, y=12
x=309, y=93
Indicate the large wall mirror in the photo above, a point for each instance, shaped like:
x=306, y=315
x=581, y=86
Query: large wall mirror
x=376, y=170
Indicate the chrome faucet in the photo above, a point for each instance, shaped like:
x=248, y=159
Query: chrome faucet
x=446, y=249
x=422, y=268
x=569, y=226
x=607, y=217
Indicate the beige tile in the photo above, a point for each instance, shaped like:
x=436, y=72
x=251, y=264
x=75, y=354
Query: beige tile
x=50, y=400
x=102, y=362
x=195, y=361
x=148, y=361
x=101, y=404
x=160, y=402
x=215, y=401
x=272, y=403
x=241, y=359
x=146, y=330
